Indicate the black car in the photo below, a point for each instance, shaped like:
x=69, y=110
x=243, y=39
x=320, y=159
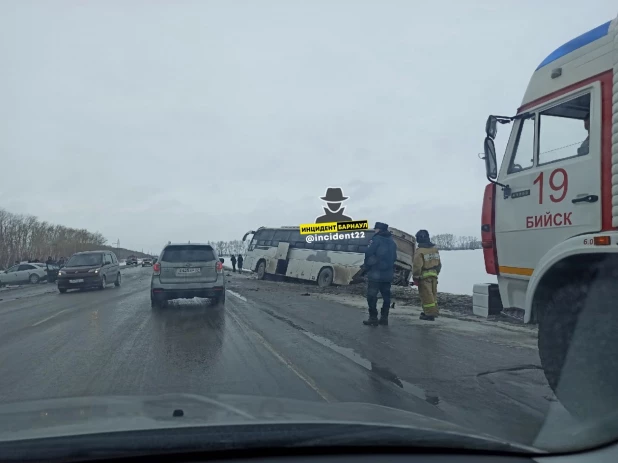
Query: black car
x=131, y=260
x=91, y=269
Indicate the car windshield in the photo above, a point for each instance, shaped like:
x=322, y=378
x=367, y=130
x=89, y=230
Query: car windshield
x=85, y=260
x=271, y=222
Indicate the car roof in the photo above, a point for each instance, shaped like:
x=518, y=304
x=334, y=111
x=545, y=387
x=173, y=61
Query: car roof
x=91, y=252
x=189, y=244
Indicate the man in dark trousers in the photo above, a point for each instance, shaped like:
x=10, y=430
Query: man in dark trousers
x=233, y=259
x=379, y=264
x=240, y=263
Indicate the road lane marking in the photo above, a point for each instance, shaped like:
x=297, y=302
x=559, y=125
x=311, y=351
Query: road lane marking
x=304, y=377
x=49, y=318
x=242, y=298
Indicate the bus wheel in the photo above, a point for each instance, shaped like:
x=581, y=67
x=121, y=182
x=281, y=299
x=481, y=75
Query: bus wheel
x=261, y=270
x=325, y=277
x=578, y=345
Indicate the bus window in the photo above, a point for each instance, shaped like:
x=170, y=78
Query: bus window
x=295, y=238
x=309, y=245
x=280, y=235
x=364, y=241
x=266, y=237
x=330, y=246
x=320, y=245
x=352, y=247
x=362, y=248
x=258, y=238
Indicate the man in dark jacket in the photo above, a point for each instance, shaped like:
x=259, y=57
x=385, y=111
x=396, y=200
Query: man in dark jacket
x=233, y=260
x=379, y=264
x=240, y=259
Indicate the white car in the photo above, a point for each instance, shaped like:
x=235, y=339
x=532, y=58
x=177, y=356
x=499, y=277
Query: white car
x=23, y=273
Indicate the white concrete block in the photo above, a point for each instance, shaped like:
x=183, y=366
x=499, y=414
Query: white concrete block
x=481, y=300
x=480, y=311
x=481, y=288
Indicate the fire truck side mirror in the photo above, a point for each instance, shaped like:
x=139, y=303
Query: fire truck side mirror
x=491, y=166
x=491, y=127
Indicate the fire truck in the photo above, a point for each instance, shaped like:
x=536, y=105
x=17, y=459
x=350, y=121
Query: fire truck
x=550, y=218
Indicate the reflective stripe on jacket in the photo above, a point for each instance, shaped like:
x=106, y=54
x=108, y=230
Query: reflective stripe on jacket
x=426, y=261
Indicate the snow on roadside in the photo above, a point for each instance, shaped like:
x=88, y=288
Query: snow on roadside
x=461, y=270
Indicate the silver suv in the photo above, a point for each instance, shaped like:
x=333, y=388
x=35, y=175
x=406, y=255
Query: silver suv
x=184, y=271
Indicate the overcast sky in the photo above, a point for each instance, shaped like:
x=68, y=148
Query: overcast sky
x=161, y=120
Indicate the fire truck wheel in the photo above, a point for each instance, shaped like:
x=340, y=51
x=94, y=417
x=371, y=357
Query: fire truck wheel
x=578, y=344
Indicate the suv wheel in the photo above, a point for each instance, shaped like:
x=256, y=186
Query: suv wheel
x=103, y=283
x=118, y=280
x=62, y=290
x=34, y=279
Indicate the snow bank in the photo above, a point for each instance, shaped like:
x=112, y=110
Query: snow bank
x=461, y=270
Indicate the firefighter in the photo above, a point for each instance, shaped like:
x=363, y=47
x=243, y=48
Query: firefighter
x=379, y=264
x=425, y=273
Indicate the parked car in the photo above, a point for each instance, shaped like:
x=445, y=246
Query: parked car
x=146, y=262
x=132, y=260
x=23, y=273
x=185, y=271
x=90, y=269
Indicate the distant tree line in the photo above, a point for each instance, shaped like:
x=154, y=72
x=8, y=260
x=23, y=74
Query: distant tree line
x=448, y=241
x=25, y=237
x=226, y=248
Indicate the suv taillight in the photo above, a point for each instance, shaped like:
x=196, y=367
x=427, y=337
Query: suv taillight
x=156, y=268
x=219, y=267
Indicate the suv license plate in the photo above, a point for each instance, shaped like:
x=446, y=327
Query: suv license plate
x=79, y=280
x=182, y=272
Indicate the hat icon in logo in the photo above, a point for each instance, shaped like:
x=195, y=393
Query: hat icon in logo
x=334, y=195
x=334, y=213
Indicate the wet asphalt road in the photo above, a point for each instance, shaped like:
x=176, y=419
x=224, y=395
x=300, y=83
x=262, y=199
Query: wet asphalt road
x=269, y=340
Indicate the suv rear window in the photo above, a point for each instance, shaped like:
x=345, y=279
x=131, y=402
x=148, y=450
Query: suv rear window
x=188, y=253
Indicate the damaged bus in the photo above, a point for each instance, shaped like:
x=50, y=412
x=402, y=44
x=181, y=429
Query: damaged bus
x=324, y=258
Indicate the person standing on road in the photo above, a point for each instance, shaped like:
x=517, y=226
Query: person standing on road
x=425, y=270
x=240, y=259
x=233, y=259
x=379, y=264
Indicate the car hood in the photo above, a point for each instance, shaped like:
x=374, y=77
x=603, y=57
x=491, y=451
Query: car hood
x=104, y=414
x=81, y=269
